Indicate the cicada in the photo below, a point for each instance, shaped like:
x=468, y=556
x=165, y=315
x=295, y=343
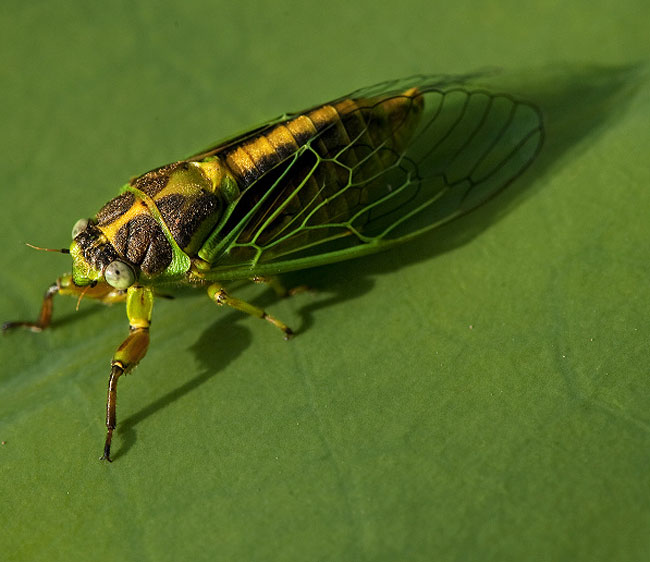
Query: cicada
x=340, y=180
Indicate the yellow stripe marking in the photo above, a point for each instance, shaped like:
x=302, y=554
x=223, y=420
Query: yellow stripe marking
x=281, y=137
x=301, y=125
x=240, y=162
x=261, y=150
x=323, y=116
x=110, y=230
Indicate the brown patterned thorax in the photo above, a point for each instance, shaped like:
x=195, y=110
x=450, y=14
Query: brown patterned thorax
x=181, y=193
x=134, y=233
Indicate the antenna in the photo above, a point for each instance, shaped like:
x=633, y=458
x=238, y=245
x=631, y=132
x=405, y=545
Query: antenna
x=61, y=251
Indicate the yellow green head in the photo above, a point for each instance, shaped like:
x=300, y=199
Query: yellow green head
x=95, y=260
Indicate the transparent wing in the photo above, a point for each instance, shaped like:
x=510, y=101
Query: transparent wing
x=388, y=181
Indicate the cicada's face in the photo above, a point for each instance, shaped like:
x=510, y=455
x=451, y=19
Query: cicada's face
x=95, y=260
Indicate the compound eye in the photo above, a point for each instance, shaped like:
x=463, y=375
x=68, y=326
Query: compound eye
x=119, y=275
x=79, y=227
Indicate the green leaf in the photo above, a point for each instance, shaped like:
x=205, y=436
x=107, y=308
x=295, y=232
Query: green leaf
x=480, y=394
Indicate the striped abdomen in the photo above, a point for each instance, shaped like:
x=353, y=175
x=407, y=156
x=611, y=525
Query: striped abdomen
x=340, y=147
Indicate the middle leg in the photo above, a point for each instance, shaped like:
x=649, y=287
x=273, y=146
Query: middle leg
x=219, y=295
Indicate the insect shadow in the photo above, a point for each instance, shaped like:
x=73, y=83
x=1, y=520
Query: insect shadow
x=579, y=103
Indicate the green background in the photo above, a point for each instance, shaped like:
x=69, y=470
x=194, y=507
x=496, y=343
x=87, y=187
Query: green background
x=481, y=394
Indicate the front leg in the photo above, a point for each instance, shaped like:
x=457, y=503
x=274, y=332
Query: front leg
x=64, y=285
x=139, y=305
x=44, y=318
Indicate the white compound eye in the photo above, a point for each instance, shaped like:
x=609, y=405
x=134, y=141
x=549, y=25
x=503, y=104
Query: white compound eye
x=119, y=275
x=79, y=227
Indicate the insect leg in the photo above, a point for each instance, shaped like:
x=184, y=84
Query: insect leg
x=45, y=316
x=139, y=304
x=219, y=295
x=64, y=285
